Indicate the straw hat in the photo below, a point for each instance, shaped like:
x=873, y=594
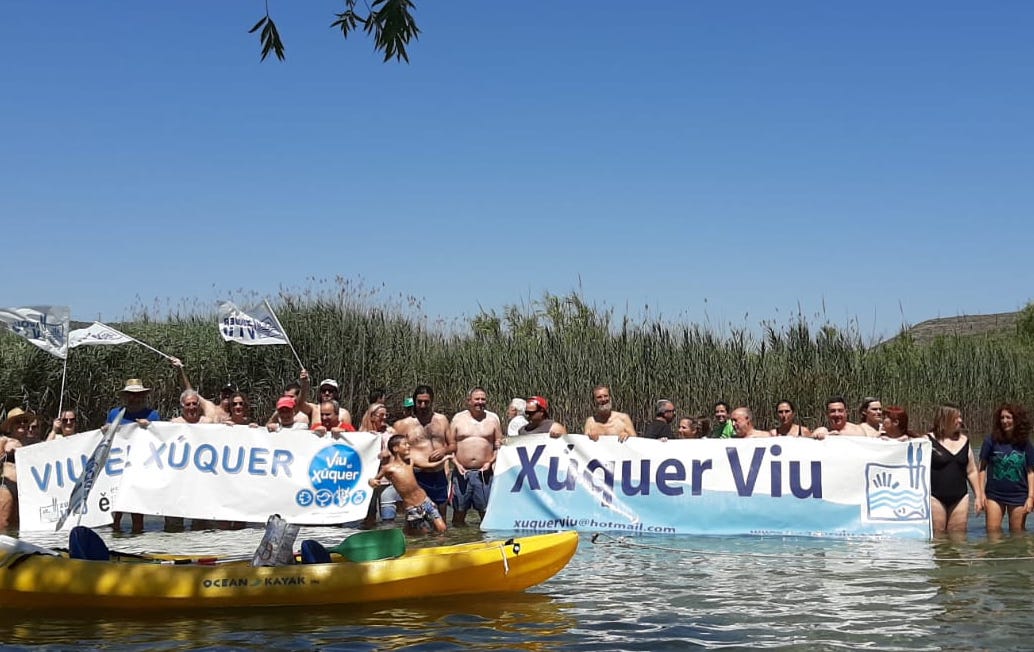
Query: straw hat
x=14, y=414
x=135, y=385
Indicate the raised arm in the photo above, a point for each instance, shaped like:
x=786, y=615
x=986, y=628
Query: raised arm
x=304, y=406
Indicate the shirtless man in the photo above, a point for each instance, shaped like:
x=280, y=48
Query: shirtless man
x=426, y=431
x=277, y=421
x=286, y=416
x=190, y=409
x=421, y=513
x=605, y=421
x=474, y=437
x=836, y=421
x=328, y=391
x=743, y=423
x=214, y=412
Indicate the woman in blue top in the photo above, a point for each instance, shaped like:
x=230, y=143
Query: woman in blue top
x=1007, y=469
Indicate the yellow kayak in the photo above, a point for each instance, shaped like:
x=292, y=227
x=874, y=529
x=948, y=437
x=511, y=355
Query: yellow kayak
x=36, y=577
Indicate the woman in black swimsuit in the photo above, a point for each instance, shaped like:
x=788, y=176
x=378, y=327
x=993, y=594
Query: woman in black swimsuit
x=787, y=413
x=952, y=466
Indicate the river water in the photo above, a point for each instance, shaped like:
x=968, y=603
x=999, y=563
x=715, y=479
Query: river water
x=618, y=593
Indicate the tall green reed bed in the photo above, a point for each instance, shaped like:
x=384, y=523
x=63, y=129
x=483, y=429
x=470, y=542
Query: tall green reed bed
x=559, y=347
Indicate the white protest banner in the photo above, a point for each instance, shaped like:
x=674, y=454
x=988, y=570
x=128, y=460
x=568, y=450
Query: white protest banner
x=44, y=326
x=48, y=472
x=842, y=486
x=97, y=334
x=236, y=473
x=258, y=326
x=91, y=469
x=206, y=471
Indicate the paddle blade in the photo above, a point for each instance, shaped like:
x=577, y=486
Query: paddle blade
x=370, y=545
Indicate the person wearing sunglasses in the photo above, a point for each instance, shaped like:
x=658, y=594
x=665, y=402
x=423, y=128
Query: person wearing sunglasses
x=536, y=410
x=16, y=434
x=65, y=425
x=660, y=426
x=240, y=411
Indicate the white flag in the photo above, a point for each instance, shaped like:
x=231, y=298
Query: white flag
x=44, y=326
x=257, y=326
x=96, y=333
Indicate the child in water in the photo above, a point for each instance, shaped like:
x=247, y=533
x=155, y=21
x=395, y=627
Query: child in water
x=421, y=514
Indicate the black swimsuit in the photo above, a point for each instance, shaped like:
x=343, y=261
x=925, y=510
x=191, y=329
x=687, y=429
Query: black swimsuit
x=948, y=474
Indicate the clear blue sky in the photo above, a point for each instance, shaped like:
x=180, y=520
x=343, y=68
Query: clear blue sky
x=718, y=161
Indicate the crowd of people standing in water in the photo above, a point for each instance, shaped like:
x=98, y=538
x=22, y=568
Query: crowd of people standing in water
x=431, y=463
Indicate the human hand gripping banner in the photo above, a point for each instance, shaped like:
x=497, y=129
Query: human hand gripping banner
x=840, y=486
x=208, y=471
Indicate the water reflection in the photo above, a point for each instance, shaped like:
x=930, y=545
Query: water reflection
x=643, y=593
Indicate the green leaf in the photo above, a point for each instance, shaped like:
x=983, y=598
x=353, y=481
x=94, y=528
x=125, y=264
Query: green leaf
x=258, y=24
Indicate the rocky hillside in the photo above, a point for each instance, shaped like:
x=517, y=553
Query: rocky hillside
x=1001, y=322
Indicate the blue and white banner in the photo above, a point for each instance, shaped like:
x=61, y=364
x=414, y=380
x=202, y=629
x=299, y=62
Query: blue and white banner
x=258, y=326
x=48, y=472
x=97, y=334
x=840, y=486
x=208, y=471
x=44, y=326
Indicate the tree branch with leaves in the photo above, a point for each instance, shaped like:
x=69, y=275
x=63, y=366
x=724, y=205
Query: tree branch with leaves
x=389, y=22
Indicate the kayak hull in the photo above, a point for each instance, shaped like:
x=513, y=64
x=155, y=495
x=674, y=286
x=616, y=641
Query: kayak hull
x=35, y=580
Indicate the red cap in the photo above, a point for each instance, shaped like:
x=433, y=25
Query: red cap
x=541, y=402
x=285, y=401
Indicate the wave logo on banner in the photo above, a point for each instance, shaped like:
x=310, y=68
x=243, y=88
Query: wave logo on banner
x=257, y=327
x=335, y=473
x=898, y=492
x=44, y=326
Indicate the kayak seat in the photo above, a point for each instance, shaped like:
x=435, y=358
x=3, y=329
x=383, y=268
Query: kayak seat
x=313, y=552
x=84, y=543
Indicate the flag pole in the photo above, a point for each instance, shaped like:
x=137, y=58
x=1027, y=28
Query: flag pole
x=286, y=337
x=64, y=375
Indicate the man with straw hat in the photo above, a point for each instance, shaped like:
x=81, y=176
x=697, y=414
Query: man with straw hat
x=134, y=398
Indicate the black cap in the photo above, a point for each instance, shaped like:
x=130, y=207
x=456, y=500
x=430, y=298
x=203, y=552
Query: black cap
x=229, y=387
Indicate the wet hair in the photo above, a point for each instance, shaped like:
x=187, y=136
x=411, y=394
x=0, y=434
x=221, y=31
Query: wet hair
x=835, y=399
x=394, y=441
x=897, y=413
x=944, y=420
x=377, y=395
x=423, y=389
x=793, y=408
x=1020, y=425
x=294, y=386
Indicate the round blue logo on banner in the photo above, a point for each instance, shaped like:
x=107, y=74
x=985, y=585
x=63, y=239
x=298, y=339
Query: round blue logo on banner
x=335, y=470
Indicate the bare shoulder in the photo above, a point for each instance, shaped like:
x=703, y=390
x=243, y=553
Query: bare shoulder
x=404, y=425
